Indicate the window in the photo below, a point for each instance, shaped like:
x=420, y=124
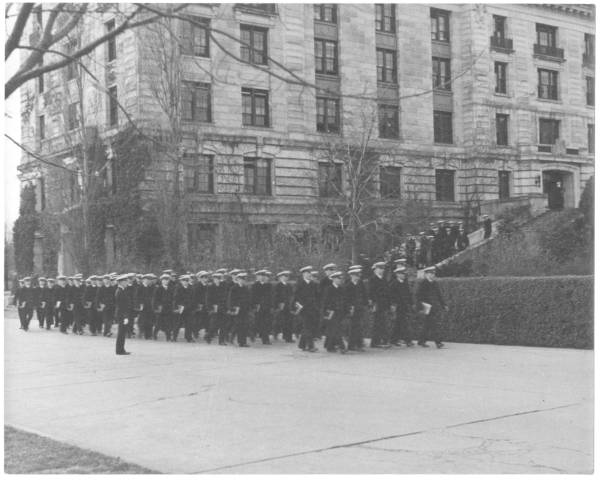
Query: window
x=389, y=182
x=386, y=65
x=42, y=193
x=201, y=239
x=198, y=173
x=549, y=131
x=385, y=17
x=547, y=84
x=254, y=44
x=330, y=179
x=441, y=73
x=73, y=116
x=388, y=121
x=255, y=107
x=500, y=73
x=328, y=115
x=258, y=8
x=444, y=185
x=503, y=184
x=194, y=37
x=325, y=12
x=41, y=83
x=499, y=27
x=42, y=127
x=196, y=102
x=589, y=55
x=257, y=176
x=501, y=129
x=589, y=91
x=546, y=35
x=440, y=25
x=326, y=57
x=111, y=45
x=71, y=68
x=113, y=107
x=591, y=138
x=442, y=127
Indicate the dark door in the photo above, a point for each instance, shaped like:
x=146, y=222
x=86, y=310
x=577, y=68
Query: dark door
x=554, y=187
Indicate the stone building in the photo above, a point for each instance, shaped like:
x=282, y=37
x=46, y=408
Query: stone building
x=490, y=105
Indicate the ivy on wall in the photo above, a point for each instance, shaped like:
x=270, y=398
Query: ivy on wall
x=24, y=231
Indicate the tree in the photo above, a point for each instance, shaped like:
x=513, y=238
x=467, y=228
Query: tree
x=24, y=231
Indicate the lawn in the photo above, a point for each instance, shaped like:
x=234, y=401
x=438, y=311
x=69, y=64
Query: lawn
x=32, y=454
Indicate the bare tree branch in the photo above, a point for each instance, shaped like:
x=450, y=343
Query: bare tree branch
x=19, y=27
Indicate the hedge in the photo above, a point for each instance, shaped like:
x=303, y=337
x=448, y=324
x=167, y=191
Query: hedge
x=533, y=311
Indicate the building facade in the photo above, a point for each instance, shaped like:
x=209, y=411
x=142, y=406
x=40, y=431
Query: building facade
x=464, y=103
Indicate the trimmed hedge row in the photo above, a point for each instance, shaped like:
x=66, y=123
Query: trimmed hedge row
x=533, y=311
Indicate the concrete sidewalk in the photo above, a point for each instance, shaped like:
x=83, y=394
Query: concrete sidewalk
x=191, y=408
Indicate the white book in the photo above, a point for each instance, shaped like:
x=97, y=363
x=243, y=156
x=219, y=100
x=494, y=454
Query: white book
x=426, y=308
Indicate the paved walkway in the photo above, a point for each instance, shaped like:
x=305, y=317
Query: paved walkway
x=191, y=408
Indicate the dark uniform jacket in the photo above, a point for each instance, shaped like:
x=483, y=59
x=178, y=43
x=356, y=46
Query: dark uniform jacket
x=217, y=295
x=61, y=295
x=334, y=299
x=47, y=296
x=262, y=296
x=105, y=296
x=184, y=297
x=199, y=294
x=143, y=298
x=400, y=295
x=123, y=304
x=356, y=294
x=26, y=298
x=76, y=297
x=89, y=296
x=162, y=299
x=282, y=294
x=429, y=292
x=307, y=295
x=239, y=296
x=378, y=292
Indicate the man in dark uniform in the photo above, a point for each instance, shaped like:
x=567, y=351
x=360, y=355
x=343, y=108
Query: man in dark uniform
x=238, y=306
x=401, y=307
x=39, y=293
x=123, y=310
x=429, y=298
x=379, y=302
x=105, y=301
x=334, y=308
x=76, y=300
x=216, y=299
x=462, y=241
x=64, y=303
x=132, y=286
x=306, y=306
x=324, y=284
x=357, y=301
x=411, y=250
x=261, y=303
x=25, y=305
x=46, y=302
x=162, y=305
x=52, y=320
x=282, y=302
x=487, y=226
x=183, y=304
x=143, y=301
x=89, y=300
x=200, y=291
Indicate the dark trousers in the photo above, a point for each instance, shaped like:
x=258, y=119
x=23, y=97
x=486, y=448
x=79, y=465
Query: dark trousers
x=379, y=334
x=355, y=336
x=310, y=325
x=121, y=334
x=94, y=320
x=48, y=316
x=263, y=324
x=78, y=319
x=25, y=315
x=107, y=320
x=186, y=320
x=217, y=326
x=145, y=323
x=240, y=327
x=400, y=328
x=431, y=330
x=283, y=324
x=163, y=322
x=333, y=333
x=39, y=313
x=66, y=317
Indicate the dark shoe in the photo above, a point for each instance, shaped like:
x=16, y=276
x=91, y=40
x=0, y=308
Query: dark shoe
x=410, y=344
x=312, y=350
x=439, y=345
x=396, y=344
x=94, y=334
x=423, y=344
x=123, y=353
x=244, y=345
